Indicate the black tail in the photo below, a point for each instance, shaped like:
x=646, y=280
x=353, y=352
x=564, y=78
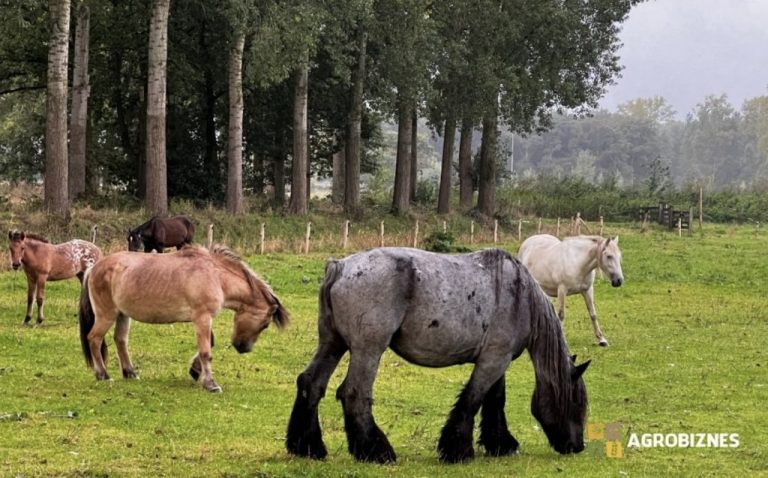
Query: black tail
x=87, y=318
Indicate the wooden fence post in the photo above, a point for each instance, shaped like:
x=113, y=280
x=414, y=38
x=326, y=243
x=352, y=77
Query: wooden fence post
x=93, y=233
x=345, y=235
x=679, y=227
x=538, y=229
x=472, y=232
x=602, y=225
x=416, y=234
x=306, y=238
x=209, y=240
x=381, y=234
x=263, y=237
x=519, y=230
x=701, y=208
x=445, y=227
x=495, y=231
x=557, y=234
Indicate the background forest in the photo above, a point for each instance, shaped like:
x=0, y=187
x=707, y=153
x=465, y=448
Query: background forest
x=491, y=93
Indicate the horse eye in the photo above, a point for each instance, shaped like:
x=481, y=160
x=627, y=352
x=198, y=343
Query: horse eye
x=610, y=257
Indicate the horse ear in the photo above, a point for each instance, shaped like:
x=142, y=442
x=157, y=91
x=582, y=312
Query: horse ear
x=573, y=358
x=616, y=240
x=579, y=370
x=10, y=235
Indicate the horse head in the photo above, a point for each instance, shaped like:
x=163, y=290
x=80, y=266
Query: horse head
x=17, y=246
x=562, y=409
x=134, y=240
x=609, y=261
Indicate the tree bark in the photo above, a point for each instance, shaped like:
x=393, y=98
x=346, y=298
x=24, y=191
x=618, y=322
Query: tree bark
x=278, y=178
x=486, y=191
x=156, y=168
x=56, y=168
x=337, y=183
x=400, y=197
x=414, y=154
x=449, y=137
x=354, y=125
x=299, y=186
x=466, y=188
x=235, y=136
x=81, y=90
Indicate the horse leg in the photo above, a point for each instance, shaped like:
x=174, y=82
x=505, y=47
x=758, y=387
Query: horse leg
x=455, y=444
x=122, y=327
x=96, y=339
x=561, y=293
x=203, y=356
x=304, y=436
x=31, y=286
x=589, y=299
x=494, y=434
x=366, y=440
x=40, y=297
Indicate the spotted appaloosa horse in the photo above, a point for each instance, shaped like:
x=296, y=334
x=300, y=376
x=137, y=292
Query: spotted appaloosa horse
x=43, y=261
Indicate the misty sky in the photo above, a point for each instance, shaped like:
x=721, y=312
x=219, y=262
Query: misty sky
x=684, y=50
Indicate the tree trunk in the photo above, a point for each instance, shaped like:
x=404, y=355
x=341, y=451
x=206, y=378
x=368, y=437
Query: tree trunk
x=466, y=188
x=414, y=154
x=278, y=178
x=156, y=169
x=352, y=145
x=337, y=184
x=299, y=185
x=486, y=191
x=235, y=136
x=400, y=197
x=56, y=184
x=211, y=159
x=81, y=89
x=444, y=197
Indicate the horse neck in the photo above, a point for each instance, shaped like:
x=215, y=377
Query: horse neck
x=34, y=248
x=591, y=259
x=235, y=286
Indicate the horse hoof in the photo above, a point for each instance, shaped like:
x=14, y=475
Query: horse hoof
x=102, y=377
x=603, y=343
x=214, y=388
x=130, y=374
x=310, y=447
x=457, y=455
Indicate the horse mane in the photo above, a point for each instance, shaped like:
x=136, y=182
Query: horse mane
x=29, y=235
x=549, y=350
x=234, y=263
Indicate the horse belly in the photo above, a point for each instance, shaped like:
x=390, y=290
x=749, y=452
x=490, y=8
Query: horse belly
x=441, y=336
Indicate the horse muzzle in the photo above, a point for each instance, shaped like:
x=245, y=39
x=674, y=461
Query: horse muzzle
x=16, y=265
x=243, y=347
x=617, y=281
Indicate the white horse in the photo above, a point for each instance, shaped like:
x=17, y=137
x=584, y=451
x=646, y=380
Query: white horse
x=568, y=267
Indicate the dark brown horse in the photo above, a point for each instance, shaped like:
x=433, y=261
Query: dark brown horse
x=159, y=233
x=191, y=285
x=43, y=261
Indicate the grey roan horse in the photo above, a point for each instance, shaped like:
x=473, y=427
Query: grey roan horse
x=438, y=310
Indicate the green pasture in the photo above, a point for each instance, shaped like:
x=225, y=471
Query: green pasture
x=688, y=354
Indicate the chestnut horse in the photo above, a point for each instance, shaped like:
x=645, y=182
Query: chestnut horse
x=43, y=261
x=159, y=233
x=191, y=285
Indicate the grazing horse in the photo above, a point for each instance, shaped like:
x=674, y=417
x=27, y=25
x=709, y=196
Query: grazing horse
x=568, y=267
x=191, y=285
x=43, y=261
x=159, y=233
x=438, y=310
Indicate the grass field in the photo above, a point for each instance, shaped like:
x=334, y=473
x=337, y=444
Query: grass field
x=688, y=354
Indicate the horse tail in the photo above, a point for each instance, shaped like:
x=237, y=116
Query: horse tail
x=333, y=271
x=87, y=319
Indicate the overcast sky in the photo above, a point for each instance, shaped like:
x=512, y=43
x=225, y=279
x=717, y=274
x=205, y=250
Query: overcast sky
x=685, y=50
